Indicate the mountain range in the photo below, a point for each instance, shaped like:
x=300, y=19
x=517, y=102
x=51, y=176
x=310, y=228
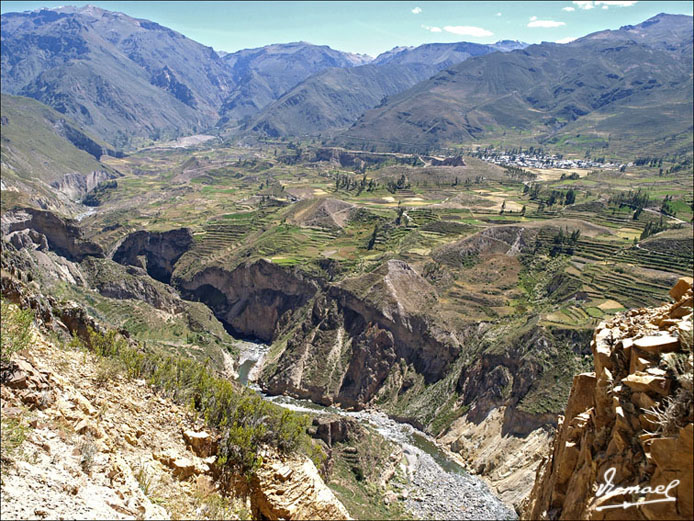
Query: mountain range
x=128, y=81
x=262, y=75
x=633, y=84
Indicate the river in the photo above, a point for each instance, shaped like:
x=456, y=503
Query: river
x=438, y=488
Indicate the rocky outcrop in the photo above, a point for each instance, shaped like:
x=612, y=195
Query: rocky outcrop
x=130, y=282
x=335, y=429
x=507, y=462
x=61, y=235
x=511, y=371
x=510, y=394
x=356, y=332
x=156, y=252
x=509, y=240
x=76, y=185
x=293, y=489
x=624, y=448
x=254, y=300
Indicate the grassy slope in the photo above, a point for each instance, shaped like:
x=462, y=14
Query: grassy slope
x=32, y=147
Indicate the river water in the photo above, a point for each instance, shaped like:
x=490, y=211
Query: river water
x=438, y=486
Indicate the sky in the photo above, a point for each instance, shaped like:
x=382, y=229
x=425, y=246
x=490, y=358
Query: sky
x=375, y=27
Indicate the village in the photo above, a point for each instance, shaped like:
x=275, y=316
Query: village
x=542, y=161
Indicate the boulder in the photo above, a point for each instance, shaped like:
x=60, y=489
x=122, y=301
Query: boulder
x=658, y=344
x=201, y=443
x=293, y=489
x=649, y=383
x=681, y=287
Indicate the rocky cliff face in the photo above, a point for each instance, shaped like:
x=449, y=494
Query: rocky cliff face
x=156, y=252
x=356, y=334
x=628, y=425
x=293, y=490
x=76, y=185
x=63, y=236
x=253, y=300
x=342, y=340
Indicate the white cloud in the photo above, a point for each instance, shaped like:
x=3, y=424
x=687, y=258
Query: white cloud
x=498, y=14
x=533, y=18
x=568, y=9
x=568, y=39
x=545, y=23
x=416, y=10
x=590, y=4
x=432, y=29
x=467, y=30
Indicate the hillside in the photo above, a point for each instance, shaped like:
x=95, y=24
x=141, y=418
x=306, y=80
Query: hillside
x=335, y=98
x=262, y=75
x=622, y=90
x=47, y=157
x=122, y=78
x=82, y=437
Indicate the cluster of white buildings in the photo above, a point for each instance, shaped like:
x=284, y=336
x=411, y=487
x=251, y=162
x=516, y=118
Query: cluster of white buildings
x=524, y=160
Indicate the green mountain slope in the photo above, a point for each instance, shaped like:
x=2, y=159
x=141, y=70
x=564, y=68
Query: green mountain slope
x=46, y=157
x=628, y=89
x=118, y=76
x=333, y=99
x=264, y=74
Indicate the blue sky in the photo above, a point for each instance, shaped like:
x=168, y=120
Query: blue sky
x=374, y=27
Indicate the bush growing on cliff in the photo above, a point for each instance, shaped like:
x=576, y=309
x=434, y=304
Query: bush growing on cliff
x=16, y=331
x=247, y=421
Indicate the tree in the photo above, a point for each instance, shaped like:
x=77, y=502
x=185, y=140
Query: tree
x=570, y=197
x=503, y=207
x=372, y=240
x=523, y=211
x=552, y=199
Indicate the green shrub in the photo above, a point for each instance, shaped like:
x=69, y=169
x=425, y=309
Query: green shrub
x=247, y=422
x=16, y=330
x=14, y=432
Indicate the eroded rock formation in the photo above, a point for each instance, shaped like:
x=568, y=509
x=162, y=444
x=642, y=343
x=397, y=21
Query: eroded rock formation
x=76, y=185
x=628, y=423
x=61, y=235
x=356, y=332
x=156, y=252
x=253, y=300
x=293, y=489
